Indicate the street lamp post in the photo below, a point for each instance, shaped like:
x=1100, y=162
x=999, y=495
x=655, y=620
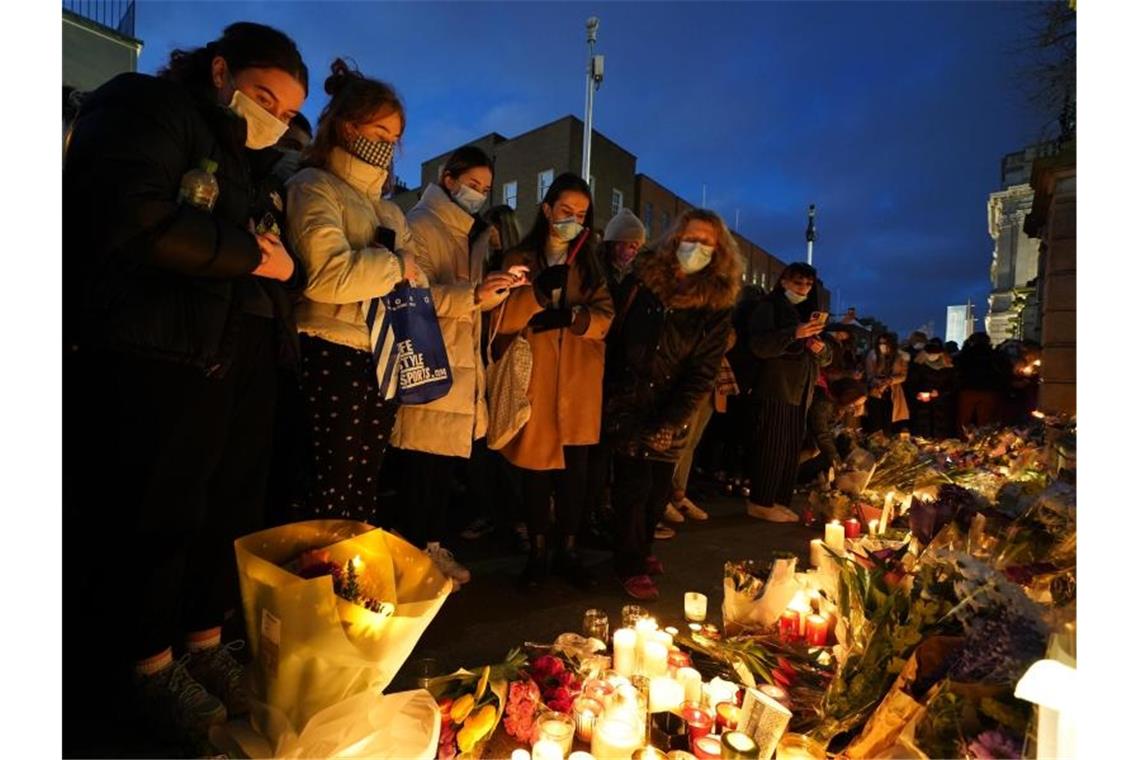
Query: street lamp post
x=810, y=231
x=594, y=71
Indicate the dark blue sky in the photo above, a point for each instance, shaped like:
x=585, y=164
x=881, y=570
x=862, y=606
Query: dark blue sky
x=891, y=117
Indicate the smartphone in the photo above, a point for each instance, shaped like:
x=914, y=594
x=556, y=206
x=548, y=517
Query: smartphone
x=819, y=317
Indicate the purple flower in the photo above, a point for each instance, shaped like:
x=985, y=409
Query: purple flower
x=993, y=745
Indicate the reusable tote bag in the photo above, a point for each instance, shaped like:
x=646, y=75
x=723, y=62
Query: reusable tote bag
x=407, y=345
x=508, y=379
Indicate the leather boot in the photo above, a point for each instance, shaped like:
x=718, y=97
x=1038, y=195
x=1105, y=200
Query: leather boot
x=535, y=572
x=568, y=564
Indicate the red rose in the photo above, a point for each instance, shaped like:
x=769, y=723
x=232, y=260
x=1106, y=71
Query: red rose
x=566, y=678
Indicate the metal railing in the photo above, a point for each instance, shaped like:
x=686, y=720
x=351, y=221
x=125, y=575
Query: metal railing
x=118, y=15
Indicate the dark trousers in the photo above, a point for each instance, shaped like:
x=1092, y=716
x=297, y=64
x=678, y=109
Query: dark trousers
x=978, y=408
x=640, y=492
x=425, y=493
x=165, y=468
x=776, y=451
x=349, y=429
x=599, y=471
x=568, y=488
x=879, y=412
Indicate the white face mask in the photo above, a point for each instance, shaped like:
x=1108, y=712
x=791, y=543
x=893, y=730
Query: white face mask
x=884, y=349
x=468, y=199
x=793, y=297
x=566, y=229
x=919, y=346
x=694, y=256
x=262, y=129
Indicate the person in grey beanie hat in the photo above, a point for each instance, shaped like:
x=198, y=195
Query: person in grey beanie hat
x=624, y=237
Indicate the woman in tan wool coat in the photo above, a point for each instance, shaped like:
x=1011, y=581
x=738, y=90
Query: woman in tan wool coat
x=564, y=314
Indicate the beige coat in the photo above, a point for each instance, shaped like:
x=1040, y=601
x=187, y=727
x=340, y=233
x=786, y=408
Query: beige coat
x=448, y=425
x=331, y=225
x=896, y=377
x=566, y=381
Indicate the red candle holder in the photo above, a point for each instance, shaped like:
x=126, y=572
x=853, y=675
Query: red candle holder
x=698, y=721
x=789, y=625
x=678, y=660
x=727, y=716
x=851, y=528
x=707, y=747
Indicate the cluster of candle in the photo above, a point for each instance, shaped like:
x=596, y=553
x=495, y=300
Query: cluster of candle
x=644, y=650
x=805, y=619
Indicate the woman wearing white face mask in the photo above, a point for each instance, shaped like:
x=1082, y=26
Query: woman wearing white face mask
x=176, y=319
x=564, y=312
x=356, y=247
x=668, y=340
x=451, y=245
x=783, y=335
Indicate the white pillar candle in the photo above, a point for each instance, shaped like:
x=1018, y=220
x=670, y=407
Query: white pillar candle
x=665, y=638
x=834, y=537
x=690, y=678
x=646, y=628
x=696, y=606
x=655, y=659
x=580, y=755
x=546, y=749
x=520, y=754
x=817, y=552
x=625, y=651
x=802, y=605
x=719, y=690
x=665, y=694
x=873, y=527
x=614, y=739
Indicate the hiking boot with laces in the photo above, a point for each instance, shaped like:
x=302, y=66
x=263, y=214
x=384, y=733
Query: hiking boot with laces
x=223, y=676
x=446, y=563
x=176, y=706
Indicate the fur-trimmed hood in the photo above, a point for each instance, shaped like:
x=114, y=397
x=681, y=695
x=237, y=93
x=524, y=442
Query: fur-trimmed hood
x=715, y=287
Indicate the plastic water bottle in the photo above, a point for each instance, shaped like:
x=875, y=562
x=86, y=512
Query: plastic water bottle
x=199, y=186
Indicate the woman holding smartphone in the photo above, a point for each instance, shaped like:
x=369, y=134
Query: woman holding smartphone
x=564, y=313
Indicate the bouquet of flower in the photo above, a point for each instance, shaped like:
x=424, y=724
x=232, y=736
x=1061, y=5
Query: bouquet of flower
x=523, y=699
x=471, y=704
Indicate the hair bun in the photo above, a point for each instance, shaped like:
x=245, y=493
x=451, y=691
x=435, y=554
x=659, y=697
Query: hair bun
x=341, y=75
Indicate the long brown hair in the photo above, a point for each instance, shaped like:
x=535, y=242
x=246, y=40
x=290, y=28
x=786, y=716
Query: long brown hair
x=354, y=98
x=244, y=45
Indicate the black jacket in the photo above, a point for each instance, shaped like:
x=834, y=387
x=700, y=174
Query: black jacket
x=661, y=360
x=142, y=272
x=787, y=370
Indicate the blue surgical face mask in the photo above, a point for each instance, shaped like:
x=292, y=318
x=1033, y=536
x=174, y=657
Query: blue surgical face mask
x=694, y=256
x=566, y=229
x=468, y=198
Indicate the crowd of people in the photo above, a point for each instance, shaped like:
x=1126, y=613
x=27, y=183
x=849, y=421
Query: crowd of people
x=221, y=368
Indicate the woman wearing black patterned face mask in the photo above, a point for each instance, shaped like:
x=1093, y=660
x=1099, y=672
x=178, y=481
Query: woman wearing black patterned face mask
x=357, y=248
x=177, y=318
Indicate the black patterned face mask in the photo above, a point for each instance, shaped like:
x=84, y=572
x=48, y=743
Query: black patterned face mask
x=375, y=152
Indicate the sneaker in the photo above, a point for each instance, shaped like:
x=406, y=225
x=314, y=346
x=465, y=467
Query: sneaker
x=177, y=706
x=222, y=675
x=446, y=563
x=653, y=566
x=788, y=513
x=480, y=527
x=641, y=587
x=663, y=532
x=673, y=515
x=771, y=514
x=692, y=510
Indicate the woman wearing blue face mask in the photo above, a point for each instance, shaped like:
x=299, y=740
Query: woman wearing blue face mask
x=176, y=318
x=357, y=248
x=564, y=312
x=667, y=343
x=451, y=245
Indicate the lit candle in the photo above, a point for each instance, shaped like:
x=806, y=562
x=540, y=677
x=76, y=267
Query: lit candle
x=665, y=638
x=671, y=631
x=719, y=690
x=654, y=659
x=736, y=745
x=596, y=688
x=648, y=753
x=801, y=604
x=833, y=536
x=816, y=631
x=625, y=651
x=520, y=754
x=646, y=632
x=556, y=727
x=614, y=739
x=851, y=528
x=678, y=660
x=789, y=625
x=690, y=679
x=873, y=527
x=580, y=755
x=727, y=716
x=545, y=749
x=680, y=754
x=698, y=721
x=817, y=552
x=777, y=693
x=665, y=694
x=695, y=627
x=707, y=747
x=799, y=747
x=586, y=712
x=696, y=606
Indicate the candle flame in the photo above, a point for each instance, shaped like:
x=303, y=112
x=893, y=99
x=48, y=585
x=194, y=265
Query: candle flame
x=1038, y=414
x=357, y=562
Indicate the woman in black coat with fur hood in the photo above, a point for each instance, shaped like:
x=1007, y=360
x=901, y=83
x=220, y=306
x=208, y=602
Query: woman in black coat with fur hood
x=668, y=339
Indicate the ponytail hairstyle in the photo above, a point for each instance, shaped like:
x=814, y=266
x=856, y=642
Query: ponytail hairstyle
x=243, y=45
x=589, y=267
x=463, y=159
x=354, y=98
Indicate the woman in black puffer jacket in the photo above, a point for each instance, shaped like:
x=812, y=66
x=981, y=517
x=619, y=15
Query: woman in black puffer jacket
x=176, y=317
x=662, y=359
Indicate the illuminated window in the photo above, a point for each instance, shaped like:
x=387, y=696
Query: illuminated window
x=616, y=202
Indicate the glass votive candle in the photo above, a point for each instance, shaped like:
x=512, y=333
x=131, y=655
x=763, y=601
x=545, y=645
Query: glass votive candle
x=696, y=606
x=800, y=747
x=727, y=716
x=737, y=745
x=678, y=660
x=778, y=693
x=614, y=738
x=707, y=747
x=580, y=755
x=680, y=754
x=556, y=727
x=648, y=753
x=597, y=688
x=587, y=710
x=520, y=754
x=596, y=624
x=630, y=614
x=698, y=721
